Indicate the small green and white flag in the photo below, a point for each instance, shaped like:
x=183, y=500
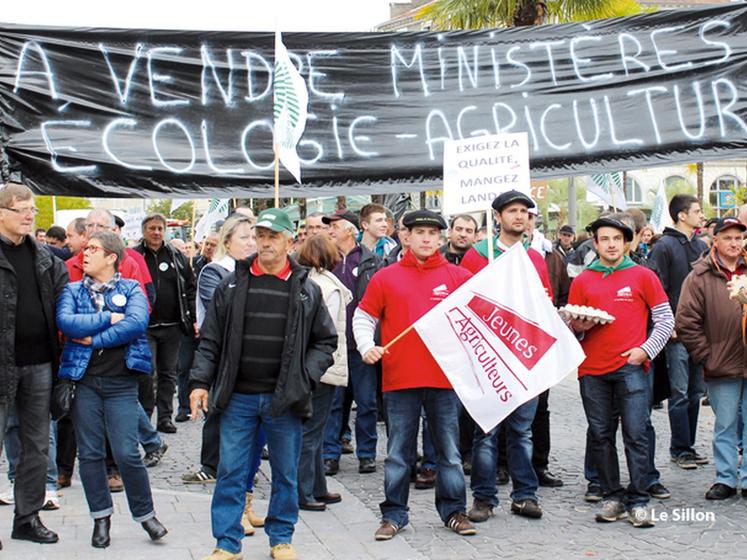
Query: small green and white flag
x=608, y=187
x=290, y=101
x=217, y=210
x=660, y=211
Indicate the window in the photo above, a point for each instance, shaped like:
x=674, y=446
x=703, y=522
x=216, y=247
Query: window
x=633, y=191
x=721, y=194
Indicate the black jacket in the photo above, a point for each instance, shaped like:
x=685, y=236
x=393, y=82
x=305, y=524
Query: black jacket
x=673, y=257
x=310, y=341
x=185, y=286
x=367, y=267
x=52, y=277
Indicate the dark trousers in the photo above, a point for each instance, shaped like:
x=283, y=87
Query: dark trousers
x=541, y=433
x=183, y=365
x=210, y=450
x=66, y=446
x=311, y=481
x=164, y=345
x=33, y=394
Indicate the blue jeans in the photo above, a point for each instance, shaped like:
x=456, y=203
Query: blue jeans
x=239, y=424
x=148, y=436
x=403, y=411
x=518, y=426
x=625, y=391
x=686, y=386
x=362, y=380
x=728, y=398
x=106, y=407
x=13, y=451
x=429, y=450
x=654, y=476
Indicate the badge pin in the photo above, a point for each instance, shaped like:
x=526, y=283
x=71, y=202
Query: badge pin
x=119, y=300
x=163, y=267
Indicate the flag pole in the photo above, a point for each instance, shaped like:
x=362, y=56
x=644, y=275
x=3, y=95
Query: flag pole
x=489, y=231
x=277, y=181
x=400, y=335
x=194, y=220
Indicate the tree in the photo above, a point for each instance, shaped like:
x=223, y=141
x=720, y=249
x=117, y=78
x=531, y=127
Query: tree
x=45, y=217
x=163, y=206
x=480, y=14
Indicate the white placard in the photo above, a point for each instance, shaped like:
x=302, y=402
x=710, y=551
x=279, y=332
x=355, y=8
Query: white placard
x=476, y=170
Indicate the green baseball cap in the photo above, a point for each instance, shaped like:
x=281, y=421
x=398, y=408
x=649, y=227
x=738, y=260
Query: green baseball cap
x=276, y=220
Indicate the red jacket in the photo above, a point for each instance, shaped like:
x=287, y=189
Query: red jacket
x=399, y=295
x=475, y=262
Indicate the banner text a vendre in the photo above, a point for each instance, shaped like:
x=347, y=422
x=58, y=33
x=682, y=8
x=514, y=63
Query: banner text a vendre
x=103, y=112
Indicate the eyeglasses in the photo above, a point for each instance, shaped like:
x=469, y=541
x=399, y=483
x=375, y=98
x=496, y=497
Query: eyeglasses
x=98, y=226
x=33, y=210
x=93, y=249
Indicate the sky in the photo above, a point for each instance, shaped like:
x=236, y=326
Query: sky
x=217, y=15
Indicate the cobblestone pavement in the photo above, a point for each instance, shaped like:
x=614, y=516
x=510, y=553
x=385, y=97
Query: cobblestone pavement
x=695, y=527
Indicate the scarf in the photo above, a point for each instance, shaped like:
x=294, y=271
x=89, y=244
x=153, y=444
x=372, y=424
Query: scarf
x=482, y=247
x=597, y=266
x=97, y=289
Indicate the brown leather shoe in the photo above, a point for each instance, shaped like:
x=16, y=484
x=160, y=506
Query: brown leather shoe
x=329, y=498
x=386, y=531
x=426, y=479
x=115, y=483
x=460, y=524
x=64, y=481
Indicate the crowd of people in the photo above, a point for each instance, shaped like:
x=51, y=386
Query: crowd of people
x=270, y=333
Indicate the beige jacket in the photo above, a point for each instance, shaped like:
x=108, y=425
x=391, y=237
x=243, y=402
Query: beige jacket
x=333, y=289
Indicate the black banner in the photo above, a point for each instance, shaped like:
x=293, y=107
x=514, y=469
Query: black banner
x=106, y=112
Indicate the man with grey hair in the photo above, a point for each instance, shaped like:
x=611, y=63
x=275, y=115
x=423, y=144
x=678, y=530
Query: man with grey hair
x=31, y=279
x=173, y=316
x=355, y=270
x=315, y=224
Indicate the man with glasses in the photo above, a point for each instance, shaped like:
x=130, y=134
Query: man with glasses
x=30, y=281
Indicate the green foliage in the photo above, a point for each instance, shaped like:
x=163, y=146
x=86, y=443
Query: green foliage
x=163, y=206
x=481, y=14
x=45, y=217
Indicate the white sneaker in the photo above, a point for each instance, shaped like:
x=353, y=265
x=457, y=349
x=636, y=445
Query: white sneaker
x=51, y=501
x=7, y=497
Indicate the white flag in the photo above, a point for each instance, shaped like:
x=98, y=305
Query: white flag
x=660, y=217
x=217, y=210
x=608, y=187
x=177, y=203
x=290, y=101
x=499, y=340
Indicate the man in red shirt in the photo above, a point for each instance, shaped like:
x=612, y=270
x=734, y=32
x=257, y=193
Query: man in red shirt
x=398, y=296
x=512, y=213
x=613, y=378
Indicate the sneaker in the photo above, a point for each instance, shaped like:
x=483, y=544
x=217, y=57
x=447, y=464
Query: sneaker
x=199, y=477
x=700, y=459
x=51, y=501
x=659, y=491
x=386, y=531
x=612, y=510
x=640, y=517
x=460, y=524
x=593, y=493
x=154, y=457
x=115, y=483
x=526, y=508
x=346, y=447
x=367, y=466
x=220, y=554
x=481, y=511
x=283, y=551
x=720, y=491
x=331, y=467
x=685, y=461
x=7, y=496
x=425, y=480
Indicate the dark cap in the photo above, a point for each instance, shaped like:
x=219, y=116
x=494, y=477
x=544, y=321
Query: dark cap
x=342, y=214
x=506, y=198
x=711, y=222
x=423, y=218
x=119, y=221
x=567, y=229
x=611, y=222
x=726, y=223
